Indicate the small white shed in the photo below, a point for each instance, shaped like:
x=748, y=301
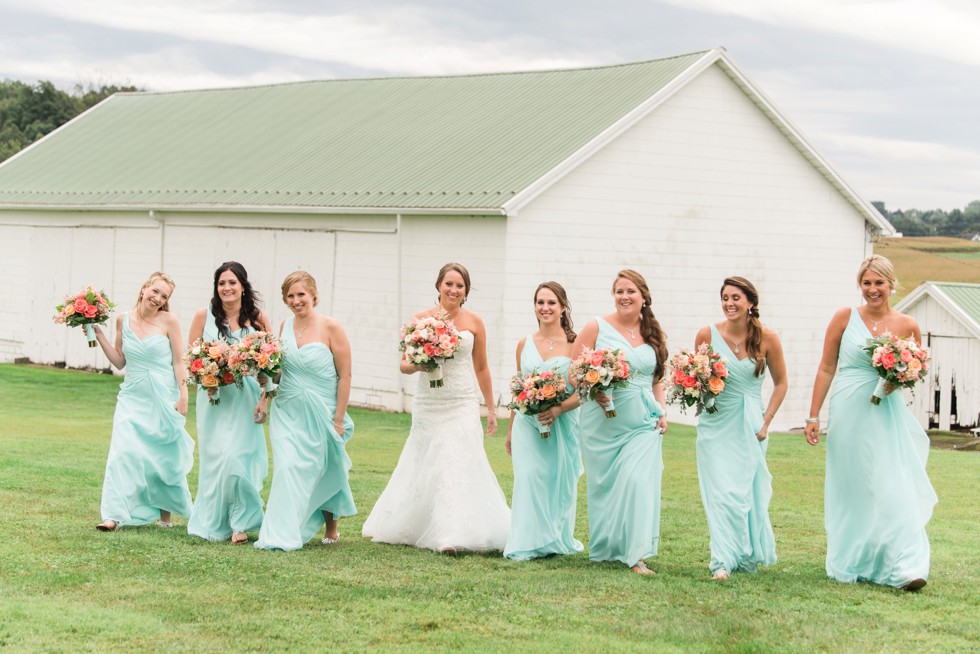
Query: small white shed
x=949, y=316
x=678, y=167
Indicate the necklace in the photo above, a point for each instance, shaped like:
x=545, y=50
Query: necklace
x=300, y=330
x=551, y=344
x=874, y=323
x=737, y=343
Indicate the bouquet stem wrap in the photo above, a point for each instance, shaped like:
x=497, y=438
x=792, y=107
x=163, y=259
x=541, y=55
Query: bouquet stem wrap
x=435, y=374
x=90, y=334
x=610, y=409
x=543, y=429
x=879, y=393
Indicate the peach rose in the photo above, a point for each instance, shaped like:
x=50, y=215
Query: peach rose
x=548, y=392
x=592, y=376
x=915, y=366
x=209, y=381
x=214, y=352
x=69, y=310
x=906, y=356
x=716, y=385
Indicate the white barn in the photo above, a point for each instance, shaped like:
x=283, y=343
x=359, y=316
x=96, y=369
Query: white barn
x=678, y=167
x=949, y=316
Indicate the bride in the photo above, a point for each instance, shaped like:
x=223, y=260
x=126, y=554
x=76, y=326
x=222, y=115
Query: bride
x=443, y=494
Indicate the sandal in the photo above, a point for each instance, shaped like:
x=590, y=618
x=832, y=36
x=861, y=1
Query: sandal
x=108, y=525
x=721, y=575
x=914, y=585
x=239, y=538
x=330, y=541
x=166, y=524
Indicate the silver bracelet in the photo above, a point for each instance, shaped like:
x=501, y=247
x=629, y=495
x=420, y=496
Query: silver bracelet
x=810, y=421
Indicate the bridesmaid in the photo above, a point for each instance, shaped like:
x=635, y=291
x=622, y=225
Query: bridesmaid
x=310, y=425
x=623, y=458
x=878, y=498
x=546, y=471
x=735, y=482
x=233, y=456
x=150, y=453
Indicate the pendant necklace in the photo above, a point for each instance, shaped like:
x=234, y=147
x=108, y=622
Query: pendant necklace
x=736, y=345
x=632, y=332
x=299, y=331
x=874, y=324
x=551, y=344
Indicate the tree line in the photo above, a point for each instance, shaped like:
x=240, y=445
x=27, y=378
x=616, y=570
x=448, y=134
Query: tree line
x=935, y=222
x=28, y=112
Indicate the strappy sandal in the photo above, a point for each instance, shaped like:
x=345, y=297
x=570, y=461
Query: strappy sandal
x=166, y=524
x=330, y=541
x=108, y=525
x=239, y=538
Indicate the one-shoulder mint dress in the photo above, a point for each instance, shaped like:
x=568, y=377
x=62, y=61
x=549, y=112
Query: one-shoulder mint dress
x=232, y=455
x=150, y=452
x=736, y=486
x=310, y=465
x=878, y=498
x=624, y=461
x=546, y=474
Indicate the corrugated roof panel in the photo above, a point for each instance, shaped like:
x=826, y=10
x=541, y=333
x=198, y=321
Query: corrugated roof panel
x=965, y=296
x=464, y=141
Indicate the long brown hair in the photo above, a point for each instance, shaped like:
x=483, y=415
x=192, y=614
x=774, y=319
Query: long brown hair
x=753, y=340
x=566, y=308
x=152, y=278
x=650, y=328
x=463, y=272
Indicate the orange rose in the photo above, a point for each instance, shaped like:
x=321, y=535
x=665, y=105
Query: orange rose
x=209, y=381
x=548, y=392
x=69, y=310
x=716, y=385
x=214, y=352
x=592, y=376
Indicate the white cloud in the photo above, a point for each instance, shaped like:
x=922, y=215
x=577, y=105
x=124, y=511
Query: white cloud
x=937, y=28
x=406, y=42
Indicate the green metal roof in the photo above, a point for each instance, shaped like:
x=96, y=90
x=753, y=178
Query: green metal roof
x=471, y=141
x=964, y=296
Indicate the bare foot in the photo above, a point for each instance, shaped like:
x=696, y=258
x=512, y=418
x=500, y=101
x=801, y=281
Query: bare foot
x=449, y=551
x=239, y=538
x=720, y=575
x=642, y=569
x=108, y=525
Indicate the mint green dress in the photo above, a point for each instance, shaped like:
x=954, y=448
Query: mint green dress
x=736, y=486
x=310, y=466
x=150, y=452
x=878, y=498
x=546, y=474
x=624, y=461
x=233, y=460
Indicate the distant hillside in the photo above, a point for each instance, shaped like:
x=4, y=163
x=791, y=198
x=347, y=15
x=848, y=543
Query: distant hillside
x=931, y=258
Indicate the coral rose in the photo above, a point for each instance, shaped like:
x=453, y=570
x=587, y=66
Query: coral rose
x=80, y=304
x=716, y=385
x=720, y=369
x=91, y=311
x=888, y=360
x=196, y=365
x=209, y=381
x=906, y=356
x=592, y=376
x=689, y=381
x=597, y=358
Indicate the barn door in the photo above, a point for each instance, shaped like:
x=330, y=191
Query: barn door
x=947, y=355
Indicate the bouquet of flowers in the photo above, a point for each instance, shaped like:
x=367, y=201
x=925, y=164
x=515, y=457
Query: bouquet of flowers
x=600, y=371
x=256, y=353
x=208, y=365
x=90, y=307
x=898, y=361
x=428, y=341
x=536, y=392
x=697, y=378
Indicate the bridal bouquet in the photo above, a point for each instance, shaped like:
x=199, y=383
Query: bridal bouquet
x=256, y=353
x=429, y=341
x=90, y=307
x=536, y=392
x=598, y=371
x=898, y=361
x=697, y=378
x=208, y=364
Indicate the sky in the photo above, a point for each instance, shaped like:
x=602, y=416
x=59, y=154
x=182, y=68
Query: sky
x=888, y=91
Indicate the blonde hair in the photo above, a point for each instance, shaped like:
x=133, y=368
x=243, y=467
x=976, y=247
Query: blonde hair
x=880, y=265
x=152, y=278
x=304, y=278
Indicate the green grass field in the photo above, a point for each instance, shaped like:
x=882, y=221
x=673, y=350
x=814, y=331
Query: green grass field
x=931, y=258
x=64, y=587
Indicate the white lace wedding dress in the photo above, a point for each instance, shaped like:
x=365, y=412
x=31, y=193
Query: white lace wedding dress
x=443, y=493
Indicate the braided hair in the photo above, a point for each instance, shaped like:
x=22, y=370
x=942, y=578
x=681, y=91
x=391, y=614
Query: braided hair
x=653, y=334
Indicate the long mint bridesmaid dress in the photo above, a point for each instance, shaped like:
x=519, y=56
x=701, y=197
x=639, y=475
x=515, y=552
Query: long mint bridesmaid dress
x=233, y=457
x=150, y=452
x=546, y=474
x=309, y=463
x=878, y=498
x=624, y=461
x=736, y=486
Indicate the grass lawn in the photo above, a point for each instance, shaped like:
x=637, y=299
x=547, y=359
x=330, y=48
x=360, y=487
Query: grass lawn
x=64, y=587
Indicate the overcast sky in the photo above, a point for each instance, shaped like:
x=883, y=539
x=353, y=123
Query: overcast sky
x=888, y=91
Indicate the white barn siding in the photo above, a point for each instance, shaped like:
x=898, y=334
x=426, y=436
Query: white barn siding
x=700, y=189
x=20, y=283
x=955, y=352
